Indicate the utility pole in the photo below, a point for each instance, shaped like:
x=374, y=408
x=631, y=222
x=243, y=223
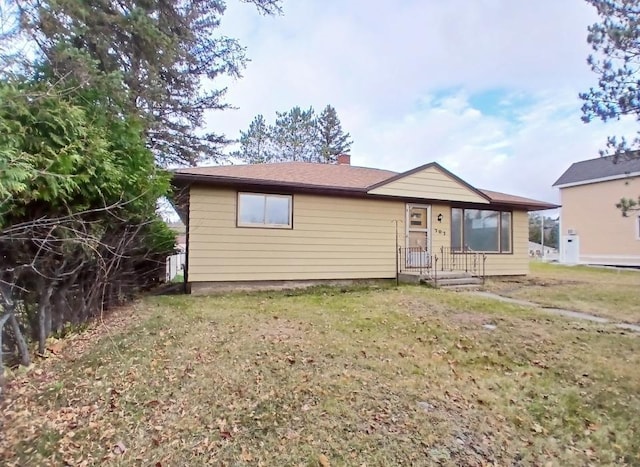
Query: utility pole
x=542, y=234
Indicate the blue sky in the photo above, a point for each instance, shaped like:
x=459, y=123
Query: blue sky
x=487, y=88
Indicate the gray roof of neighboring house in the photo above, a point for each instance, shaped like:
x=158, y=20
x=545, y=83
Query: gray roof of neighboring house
x=601, y=167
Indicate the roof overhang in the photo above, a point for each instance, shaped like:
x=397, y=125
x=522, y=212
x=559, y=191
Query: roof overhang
x=531, y=206
x=185, y=178
x=181, y=179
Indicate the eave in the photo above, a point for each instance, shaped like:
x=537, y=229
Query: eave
x=248, y=184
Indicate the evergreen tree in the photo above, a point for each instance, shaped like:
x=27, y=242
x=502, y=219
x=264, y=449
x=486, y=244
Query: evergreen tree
x=333, y=140
x=160, y=51
x=615, y=42
x=255, y=143
x=295, y=136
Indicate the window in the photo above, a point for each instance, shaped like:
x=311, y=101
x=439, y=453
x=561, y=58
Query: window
x=263, y=210
x=638, y=227
x=480, y=230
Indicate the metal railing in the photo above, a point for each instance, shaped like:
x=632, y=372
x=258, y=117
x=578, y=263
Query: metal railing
x=415, y=259
x=418, y=260
x=469, y=261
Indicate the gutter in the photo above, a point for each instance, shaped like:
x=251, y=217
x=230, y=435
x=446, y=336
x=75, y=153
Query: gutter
x=277, y=187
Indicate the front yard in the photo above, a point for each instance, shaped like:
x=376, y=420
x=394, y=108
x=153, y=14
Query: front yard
x=610, y=293
x=381, y=376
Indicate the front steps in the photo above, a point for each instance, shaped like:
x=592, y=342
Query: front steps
x=457, y=280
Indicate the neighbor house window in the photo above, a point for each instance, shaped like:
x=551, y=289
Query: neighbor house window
x=481, y=230
x=264, y=210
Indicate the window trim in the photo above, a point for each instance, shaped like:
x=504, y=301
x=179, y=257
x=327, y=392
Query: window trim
x=240, y=224
x=638, y=227
x=462, y=239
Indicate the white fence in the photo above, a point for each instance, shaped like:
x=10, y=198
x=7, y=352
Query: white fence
x=175, y=265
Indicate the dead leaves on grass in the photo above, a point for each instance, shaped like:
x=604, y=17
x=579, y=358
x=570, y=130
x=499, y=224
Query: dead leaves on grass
x=276, y=385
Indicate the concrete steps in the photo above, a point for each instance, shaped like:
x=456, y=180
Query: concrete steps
x=459, y=280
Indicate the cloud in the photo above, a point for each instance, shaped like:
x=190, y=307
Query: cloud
x=487, y=88
x=521, y=152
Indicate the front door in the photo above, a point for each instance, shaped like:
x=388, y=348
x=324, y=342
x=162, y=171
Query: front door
x=418, y=239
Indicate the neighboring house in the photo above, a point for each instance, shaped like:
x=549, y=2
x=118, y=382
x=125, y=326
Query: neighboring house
x=298, y=221
x=592, y=229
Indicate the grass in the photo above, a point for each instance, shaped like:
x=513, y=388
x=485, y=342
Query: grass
x=611, y=293
x=178, y=279
x=387, y=376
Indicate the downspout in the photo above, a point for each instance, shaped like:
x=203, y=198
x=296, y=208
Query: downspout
x=186, y=285
x=397, y=256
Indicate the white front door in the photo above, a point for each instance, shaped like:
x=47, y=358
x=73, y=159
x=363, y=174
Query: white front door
x=418, y=235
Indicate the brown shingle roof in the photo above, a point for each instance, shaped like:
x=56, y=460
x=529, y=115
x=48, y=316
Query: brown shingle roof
x=298, y=173
x=321, y=176
x=505, y=198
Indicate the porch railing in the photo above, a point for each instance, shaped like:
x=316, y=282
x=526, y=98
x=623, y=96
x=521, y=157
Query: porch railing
x=419, y=260
x=469, y=261
x=415, y=259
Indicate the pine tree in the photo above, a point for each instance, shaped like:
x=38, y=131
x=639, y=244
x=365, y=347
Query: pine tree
x=615, y=42
x=157, y=52
x=255, y=143
x=295, y=136
x=333, y=140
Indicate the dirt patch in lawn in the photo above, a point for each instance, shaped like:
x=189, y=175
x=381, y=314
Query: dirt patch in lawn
x=280, y=330
x=476, y=319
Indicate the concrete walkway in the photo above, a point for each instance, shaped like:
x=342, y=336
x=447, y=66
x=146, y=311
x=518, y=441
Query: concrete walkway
x=558, y=311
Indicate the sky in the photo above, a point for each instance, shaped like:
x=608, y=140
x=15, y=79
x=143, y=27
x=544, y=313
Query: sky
x=487, y=88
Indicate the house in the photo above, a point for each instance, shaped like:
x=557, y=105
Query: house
x=306, y=222
x=592, y=229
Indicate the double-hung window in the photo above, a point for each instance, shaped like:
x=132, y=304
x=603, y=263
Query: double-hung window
x=481, y=230
x=265, y=210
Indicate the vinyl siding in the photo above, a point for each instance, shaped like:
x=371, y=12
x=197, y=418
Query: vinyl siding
x=605, y=235
x=332, y=238
x=429, y=183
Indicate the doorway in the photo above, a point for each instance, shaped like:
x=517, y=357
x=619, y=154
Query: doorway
x=418, y=235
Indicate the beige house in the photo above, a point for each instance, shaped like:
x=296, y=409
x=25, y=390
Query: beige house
x=300, y=221
x=593, y=230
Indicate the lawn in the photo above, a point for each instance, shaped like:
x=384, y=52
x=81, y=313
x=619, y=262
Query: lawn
x=611, y=293
x=375, y=377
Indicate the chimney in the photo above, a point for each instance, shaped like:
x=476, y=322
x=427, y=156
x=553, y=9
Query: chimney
x=344, y=159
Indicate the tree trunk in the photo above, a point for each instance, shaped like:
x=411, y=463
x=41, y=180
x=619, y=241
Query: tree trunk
x=25, y=358
x=43, y=318
x=3, y=320
x=59, y=306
